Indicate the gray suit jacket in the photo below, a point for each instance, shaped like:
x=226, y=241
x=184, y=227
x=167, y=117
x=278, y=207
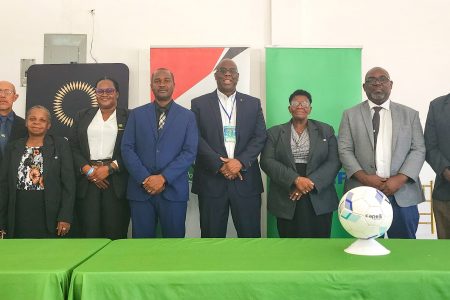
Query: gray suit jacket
x=408, y=148
x=437, y=140
x=323, y=165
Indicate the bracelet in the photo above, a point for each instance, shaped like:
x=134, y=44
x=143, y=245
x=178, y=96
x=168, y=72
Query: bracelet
x=91, y=170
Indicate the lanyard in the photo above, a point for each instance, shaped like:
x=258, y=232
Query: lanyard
x=225, y=111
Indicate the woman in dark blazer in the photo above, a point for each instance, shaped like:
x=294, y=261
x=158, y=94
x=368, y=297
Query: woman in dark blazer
x=37, y=182
x=101, y=206
x=301, y=159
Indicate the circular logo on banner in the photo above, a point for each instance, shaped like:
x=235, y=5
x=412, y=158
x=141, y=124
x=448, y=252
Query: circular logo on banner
x=62, y=93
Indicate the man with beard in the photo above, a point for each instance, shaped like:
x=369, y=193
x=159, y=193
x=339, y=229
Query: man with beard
x=381, y=145
x=158, y=147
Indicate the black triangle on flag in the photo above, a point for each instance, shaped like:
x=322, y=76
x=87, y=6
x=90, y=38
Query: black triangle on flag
x=66, y=89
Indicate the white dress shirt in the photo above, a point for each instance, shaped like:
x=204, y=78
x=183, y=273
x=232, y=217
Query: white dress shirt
x=383, y=153
x=227, y=106
x=102, y=136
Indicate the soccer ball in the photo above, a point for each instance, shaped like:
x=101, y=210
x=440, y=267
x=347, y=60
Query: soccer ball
x=365, y=212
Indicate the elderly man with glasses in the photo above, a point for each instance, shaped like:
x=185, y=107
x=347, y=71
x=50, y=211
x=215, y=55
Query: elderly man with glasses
x=381, y=145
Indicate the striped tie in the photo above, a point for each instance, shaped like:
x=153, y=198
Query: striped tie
x=162, y=120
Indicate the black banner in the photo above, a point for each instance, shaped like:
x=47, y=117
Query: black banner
x=67, y=88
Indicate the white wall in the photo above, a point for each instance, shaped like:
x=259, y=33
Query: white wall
x=408, y=38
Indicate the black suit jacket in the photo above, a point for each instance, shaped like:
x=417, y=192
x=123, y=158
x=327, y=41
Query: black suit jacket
x=81, y=153
x=437, y=142
x=59, y=182
x=323, y=165
x=250, y=139
x=18, y=130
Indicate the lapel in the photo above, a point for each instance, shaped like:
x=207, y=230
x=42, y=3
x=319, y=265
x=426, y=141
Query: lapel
x=121, y=117
x=170, y=118
x=84, y=124
x=48, y=154
x=367, y=119
x=16, y=154
x=215, y=112
x=151, y=110
x=395, y=115
x=285, y=137
x=240, y=113
x=313, y=132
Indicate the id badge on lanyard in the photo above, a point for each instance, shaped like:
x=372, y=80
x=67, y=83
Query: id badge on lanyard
x=229, y=133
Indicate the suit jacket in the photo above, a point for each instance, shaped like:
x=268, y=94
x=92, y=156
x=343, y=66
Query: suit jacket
x=437, y=141
x=59, y=182
x=170, y=152
x=323, y=165
x=18, y=130
x=250, y=139
x=81, y=153
x=356, y=148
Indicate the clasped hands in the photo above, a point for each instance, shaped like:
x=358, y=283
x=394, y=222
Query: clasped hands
x=154, y=184
x=303, y=185
x=98, y=177
x=389, y=186
x=231, y=168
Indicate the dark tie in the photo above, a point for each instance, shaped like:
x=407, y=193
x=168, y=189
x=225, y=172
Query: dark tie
x=376, y=125
x=162, y=120
x=3, y=133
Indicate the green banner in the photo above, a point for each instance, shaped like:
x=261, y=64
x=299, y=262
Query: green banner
x=331, y=75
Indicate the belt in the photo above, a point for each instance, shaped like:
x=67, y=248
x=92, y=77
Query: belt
x=101, y=162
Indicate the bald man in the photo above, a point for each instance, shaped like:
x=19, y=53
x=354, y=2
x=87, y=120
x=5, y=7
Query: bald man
x=12, y=126
x=381, y=145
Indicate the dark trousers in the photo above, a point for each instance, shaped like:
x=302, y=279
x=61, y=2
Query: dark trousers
x=404, y=222
x=441, y=211
x=30, y=216
x=102, y=215
x=245, y=211
x=305, y=223
x=171, y=216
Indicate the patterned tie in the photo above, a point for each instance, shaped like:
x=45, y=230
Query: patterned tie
x=3, y=133
x=162, y=120
x=376, y=125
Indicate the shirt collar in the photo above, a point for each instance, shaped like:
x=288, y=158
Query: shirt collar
x=223, y=97
x=386, y=105
x=9, y=116
x=166, y=108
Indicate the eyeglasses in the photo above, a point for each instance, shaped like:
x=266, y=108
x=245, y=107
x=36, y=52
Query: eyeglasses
x=108, y=91
x=303, y=104
x=375, y=80
x=233, y=71
x=7, y=92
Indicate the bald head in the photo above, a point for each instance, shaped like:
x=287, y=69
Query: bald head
x=378, y=85
x=377, y=70
x=7, y=97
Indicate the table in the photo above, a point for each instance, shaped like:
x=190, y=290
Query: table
x=262, y=269
x=41, y=269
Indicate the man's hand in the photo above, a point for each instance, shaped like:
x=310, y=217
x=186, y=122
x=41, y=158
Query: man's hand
x=231, y=168
x=154, y=184
x=394, y=183
x=374, y=181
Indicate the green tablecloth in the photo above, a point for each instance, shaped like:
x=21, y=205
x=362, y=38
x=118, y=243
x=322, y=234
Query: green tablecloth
x=262, y=269
x=41, y=269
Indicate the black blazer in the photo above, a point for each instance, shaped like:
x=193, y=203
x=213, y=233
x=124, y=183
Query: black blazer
x=437, y=144
x=250, y=139
x=322, y=167
x=18, y=130
x=59, y=182
x=81, y=153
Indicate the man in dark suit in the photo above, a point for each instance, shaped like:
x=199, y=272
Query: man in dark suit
x=381, y=145
x=158, y=147
x=226, y=173
x=12, y=126
x=437, y=142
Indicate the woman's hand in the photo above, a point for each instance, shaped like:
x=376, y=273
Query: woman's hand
x=63, y=228
x=304, y=185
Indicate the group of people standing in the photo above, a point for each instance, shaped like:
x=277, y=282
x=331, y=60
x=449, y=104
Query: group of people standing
x=118, y=164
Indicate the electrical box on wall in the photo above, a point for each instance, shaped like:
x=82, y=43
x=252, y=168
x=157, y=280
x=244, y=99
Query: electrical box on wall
x=24, y=65
x=64, y=48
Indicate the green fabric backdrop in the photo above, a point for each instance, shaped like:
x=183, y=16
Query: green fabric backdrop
x=331, y=75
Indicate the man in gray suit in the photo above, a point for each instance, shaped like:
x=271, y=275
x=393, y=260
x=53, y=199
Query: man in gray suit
x=437, y=140
x=381, y=145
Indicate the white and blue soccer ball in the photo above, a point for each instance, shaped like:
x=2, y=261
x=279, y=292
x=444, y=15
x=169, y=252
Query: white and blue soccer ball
x=365, y=212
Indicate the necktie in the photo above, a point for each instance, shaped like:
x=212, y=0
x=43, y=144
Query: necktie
x=162, y=120
x=3, y=133
x=376, y=125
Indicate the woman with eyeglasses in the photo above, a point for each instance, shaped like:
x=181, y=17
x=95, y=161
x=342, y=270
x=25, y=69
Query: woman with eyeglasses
x=301, y=159
x=101, y=205
x=37, y=182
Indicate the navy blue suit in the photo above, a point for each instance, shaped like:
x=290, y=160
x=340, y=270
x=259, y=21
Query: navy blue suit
x=216, y=193
x=169, y=152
